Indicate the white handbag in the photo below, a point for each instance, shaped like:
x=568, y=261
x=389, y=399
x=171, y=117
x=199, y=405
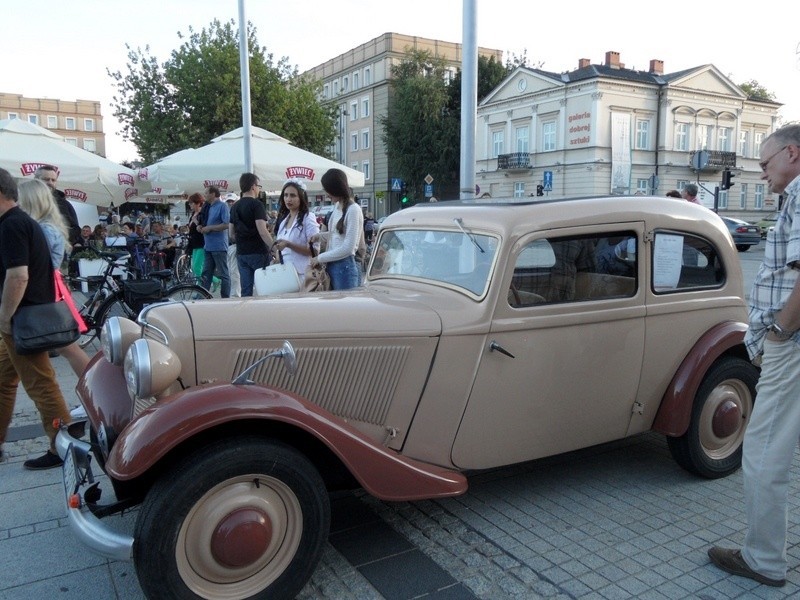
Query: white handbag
x=276, y=279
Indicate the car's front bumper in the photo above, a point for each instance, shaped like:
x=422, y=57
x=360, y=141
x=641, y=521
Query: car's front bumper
x=78, y=478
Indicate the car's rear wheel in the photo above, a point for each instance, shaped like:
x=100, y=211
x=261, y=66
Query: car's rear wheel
x=712, y=446
x=743, y=247
x=239, y=519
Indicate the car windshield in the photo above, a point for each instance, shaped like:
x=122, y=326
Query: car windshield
x=454, y=257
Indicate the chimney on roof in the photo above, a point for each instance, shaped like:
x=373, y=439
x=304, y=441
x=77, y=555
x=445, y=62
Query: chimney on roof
x=612, y=60
x=583, y=63
x=657, y=67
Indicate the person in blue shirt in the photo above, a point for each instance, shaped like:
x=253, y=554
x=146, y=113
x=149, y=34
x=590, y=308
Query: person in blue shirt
x=215, y=234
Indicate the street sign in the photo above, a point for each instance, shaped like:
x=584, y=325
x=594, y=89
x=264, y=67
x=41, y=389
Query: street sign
x=428, y=179
x=428, y=190
x=397, y=184
x=547, y=181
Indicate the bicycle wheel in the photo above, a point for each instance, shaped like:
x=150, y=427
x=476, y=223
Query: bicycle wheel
x=113, y=306
x=183, y=269
x=187, y=291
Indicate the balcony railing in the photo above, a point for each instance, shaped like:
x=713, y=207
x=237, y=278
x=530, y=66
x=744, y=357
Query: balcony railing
x=712, y=160
x=515, y=160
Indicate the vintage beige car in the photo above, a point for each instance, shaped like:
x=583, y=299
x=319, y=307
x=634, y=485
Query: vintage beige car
x=486, y=334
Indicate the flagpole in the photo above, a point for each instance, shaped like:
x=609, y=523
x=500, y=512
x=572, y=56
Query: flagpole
x=469, y=97
x=244, y=67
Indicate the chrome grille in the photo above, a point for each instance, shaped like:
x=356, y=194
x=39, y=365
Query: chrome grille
x=353, y=383
x=141, y=404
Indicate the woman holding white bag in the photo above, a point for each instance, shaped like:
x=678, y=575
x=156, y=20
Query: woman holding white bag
x=295, y=227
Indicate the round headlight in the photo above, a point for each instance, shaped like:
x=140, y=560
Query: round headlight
x=116, y=337
x=150, y=368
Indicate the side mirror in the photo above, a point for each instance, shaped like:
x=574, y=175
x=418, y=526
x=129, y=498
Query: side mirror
x=289, y=362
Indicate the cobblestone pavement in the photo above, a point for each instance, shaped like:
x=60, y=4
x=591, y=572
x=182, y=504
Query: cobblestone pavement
x=616, y=521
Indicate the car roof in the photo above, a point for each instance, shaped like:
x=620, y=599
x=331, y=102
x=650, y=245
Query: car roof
x=515, y=216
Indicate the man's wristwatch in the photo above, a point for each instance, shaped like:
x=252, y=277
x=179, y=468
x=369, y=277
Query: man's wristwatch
x=779, y=332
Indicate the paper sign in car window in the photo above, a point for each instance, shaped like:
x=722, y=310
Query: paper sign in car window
x=667, y=259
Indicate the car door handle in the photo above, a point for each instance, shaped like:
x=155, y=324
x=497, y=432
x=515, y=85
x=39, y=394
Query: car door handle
x=495, y=346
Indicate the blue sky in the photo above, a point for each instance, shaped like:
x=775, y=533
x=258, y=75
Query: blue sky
x=62, y=50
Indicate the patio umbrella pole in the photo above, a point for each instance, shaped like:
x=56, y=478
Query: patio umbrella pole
x=244, y=62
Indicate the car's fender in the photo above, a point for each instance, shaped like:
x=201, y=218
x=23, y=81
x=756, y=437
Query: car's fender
x=675, y=411
x=165, y=425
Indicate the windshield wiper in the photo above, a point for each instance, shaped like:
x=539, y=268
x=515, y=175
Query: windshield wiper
x=471, y=236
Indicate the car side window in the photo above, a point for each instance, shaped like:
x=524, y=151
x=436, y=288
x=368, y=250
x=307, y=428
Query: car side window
x=682, y=262
x=575, y=269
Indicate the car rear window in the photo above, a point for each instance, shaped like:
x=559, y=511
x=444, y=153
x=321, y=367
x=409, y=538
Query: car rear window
x=682, y=262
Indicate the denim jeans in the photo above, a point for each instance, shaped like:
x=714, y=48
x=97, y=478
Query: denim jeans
x=39, y=380
x=344, y=273
x=217, y=263
x=248, y=265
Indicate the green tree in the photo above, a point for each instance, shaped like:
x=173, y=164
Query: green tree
x=196, y=95
x=420, y=133
x=756, y=91
x=422, y=129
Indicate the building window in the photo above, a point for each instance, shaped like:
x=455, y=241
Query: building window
x=744, y=143
x=355, y=80
x=88, y=124
x=52, y=122
x=521, y=135
x=642, y=134
x=90, y=144
x=353, y=111
x=742, y=195
x=703, y=137
x=643, y=186
x=72, y=141
x=548, y=136
x=682, y=136
x=759, y=195
x=336, y=88
x=365, y=107
x=345, y=83
x=757, y=145
x=365, y=169
x=13, y=115
x=367, y=76
x=69, y=123
x=724, y=139
x=354, y=166
x=33, y=119
x=497, y=143
x=365, y=139
x=723, y=198
x=519, y=189
x=354, y=141
x=682, y=183
x=326, y=90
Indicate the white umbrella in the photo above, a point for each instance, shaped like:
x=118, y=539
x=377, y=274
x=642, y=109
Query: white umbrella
x=221, y=163
x=82, y=176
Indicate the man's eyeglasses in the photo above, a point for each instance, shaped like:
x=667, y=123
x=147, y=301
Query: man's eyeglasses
x=259, y=186
x=764, y=164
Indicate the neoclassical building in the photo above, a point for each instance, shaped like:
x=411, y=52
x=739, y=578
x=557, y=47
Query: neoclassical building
x=603, y=128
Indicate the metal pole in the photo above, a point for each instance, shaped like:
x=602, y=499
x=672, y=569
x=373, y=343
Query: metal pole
x=469, y=97
x=244, y=67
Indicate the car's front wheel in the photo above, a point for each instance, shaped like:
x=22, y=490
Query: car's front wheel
x=743, y=247
x=712, y=446
x=243, y=518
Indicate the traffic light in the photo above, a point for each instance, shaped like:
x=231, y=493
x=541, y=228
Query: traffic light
x=727, y=175
x=540, y=190
x=404, y=200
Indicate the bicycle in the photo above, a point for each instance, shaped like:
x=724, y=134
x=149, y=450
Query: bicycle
x=110, y=298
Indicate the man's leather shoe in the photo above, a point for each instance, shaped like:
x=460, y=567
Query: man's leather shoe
x=731, y=561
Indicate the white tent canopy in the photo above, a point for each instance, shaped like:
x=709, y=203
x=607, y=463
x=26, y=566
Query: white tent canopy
x=82, y=176
x=221, y=163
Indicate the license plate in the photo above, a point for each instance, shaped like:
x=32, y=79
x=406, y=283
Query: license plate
x=72, y=476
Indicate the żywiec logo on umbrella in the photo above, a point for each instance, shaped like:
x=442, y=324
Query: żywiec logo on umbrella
x=300, y=173
x=220, y=183
x=74, y=194
x=30, y=168
x=125, y=179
